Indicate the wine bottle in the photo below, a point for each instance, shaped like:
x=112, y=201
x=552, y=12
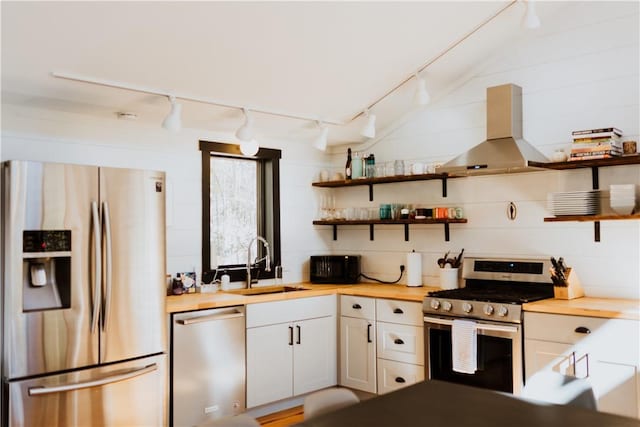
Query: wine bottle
x=347, y=168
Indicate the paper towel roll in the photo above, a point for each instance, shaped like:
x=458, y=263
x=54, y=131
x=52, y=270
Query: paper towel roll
x=414, y=269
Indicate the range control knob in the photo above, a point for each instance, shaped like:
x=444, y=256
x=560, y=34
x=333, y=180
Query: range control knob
x=488, y=309
x=502, y=311
x=435, y=304
x=466, y=307
x=446, y=306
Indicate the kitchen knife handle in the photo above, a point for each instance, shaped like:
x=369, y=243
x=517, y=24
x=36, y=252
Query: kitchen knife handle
x=356, y=306
x=398, y=311
x=97, y=265
x=369, y=332
x=106, y=222
x=290, y=335
x=582, y=330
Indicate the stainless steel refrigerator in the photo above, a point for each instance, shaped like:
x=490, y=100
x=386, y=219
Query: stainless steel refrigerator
x=83, y=296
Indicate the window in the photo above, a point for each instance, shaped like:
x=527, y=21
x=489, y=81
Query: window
x=240, y=200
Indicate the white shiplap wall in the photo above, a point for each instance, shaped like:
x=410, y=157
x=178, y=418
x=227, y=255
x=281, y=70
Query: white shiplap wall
x=41, y=135
x=577, y=74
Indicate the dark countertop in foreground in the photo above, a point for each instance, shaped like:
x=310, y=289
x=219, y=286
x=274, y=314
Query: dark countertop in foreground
x=441, y=404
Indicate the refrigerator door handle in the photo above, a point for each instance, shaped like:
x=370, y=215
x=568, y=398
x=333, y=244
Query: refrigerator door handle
x=107, y=238
x=97, y=266
x=36, y=391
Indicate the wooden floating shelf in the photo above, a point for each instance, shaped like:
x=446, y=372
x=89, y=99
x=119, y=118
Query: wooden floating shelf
x=381, y=180
x=371, y=222
x=580, y=164
x=591, y=218
x=389, y=221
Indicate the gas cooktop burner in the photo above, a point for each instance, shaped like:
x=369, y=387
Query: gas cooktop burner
x=497, y=294
x=495, y=289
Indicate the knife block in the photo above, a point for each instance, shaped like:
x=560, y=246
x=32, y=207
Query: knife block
x=572, y=290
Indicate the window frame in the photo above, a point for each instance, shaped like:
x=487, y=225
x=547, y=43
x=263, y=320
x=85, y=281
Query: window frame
x=268, y=173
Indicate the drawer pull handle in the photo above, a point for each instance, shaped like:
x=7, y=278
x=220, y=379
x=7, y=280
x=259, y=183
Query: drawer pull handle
x=356, y=306
x=398, y=311
x=400, y=380
x=583, y=330
x=398, y=341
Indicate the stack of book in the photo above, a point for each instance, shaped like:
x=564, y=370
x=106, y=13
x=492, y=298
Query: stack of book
x=596, y=144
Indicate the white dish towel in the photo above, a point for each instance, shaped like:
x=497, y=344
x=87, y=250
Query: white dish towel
x=464, y=346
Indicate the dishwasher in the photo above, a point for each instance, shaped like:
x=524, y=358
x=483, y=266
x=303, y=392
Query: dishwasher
x=207, y=365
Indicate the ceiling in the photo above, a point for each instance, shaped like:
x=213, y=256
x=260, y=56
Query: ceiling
x=325, y=60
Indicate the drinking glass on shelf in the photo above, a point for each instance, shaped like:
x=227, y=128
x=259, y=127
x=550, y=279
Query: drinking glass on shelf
x=389, y=169
x=398, y=167
x=327, y=207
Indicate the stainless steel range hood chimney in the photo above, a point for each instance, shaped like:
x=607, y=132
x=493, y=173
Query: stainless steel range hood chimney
x=504, y=150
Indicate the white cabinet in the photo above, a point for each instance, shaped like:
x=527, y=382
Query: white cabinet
x=606, y=351
x=381, y=344
x=358, y=343
x=400, y=344
x=291, y=348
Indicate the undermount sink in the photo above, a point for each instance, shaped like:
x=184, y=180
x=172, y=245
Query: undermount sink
x=268, y=290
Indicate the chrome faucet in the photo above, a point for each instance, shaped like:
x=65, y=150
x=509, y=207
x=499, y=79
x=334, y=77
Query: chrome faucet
x=267, y=258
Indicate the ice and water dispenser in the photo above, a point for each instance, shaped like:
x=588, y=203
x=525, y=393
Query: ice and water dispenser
x=46, y=269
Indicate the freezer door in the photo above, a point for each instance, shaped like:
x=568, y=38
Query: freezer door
x=133, y=216
x=124, y=394
x=48, y=296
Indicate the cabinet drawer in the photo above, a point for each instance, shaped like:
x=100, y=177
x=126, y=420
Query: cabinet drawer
x=270, y=313
x=359, y=307
x=395, y=375
x=402, y=343
x=403, y=312
x=607, y=339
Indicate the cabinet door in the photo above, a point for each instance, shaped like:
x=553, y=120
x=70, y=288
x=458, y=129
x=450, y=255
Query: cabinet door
x=314, y=355
x=358, y=354
x=615, y=387
x=269, y=361
x=540, y=355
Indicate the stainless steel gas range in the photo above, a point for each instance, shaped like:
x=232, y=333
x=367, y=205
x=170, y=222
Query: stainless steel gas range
x=485, y=315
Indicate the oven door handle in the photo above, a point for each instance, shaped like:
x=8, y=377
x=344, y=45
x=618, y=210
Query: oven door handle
x=480, y=326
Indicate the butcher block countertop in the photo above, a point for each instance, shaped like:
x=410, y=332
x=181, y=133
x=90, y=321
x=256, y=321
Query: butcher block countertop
x=199, y=301
x=587, y=306
x=610, y=308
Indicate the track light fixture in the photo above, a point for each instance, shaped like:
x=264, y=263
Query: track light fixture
x=321, y=141
x=531, y=20
x=249, y=148
x=369, y=129
x=173, y=121
x=421, y=96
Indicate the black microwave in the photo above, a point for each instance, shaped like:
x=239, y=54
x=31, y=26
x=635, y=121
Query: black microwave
x=337, y=269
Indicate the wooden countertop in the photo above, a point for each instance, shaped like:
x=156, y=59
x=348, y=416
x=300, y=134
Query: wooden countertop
x=199, y=301
x=610, y=308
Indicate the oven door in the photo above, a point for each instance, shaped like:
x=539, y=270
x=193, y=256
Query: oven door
x=499, y=350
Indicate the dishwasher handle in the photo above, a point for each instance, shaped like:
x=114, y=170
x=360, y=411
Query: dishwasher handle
x=210, y=318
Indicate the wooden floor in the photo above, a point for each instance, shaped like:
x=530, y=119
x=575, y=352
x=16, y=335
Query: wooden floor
x=284, y=418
